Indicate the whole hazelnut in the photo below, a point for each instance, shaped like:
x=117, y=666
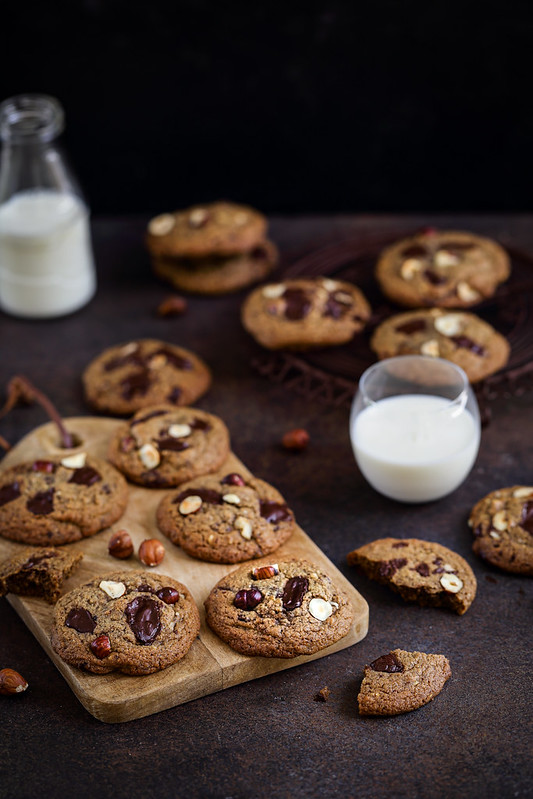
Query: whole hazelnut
x=11, y=682
x=295, y=440
x=151, y=552
x=120, y=545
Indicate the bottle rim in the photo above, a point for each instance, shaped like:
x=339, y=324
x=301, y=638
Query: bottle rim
x=26, y=118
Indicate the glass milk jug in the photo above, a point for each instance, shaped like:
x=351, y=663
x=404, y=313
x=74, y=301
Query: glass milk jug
x=46, y=260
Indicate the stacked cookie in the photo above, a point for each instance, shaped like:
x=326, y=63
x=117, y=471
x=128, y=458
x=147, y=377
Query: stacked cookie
x=211, y=249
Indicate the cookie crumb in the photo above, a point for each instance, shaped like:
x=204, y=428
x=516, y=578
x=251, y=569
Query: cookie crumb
x=174, y=305
x=323, y=694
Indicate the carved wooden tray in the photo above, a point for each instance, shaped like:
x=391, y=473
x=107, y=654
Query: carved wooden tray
x=210, y=665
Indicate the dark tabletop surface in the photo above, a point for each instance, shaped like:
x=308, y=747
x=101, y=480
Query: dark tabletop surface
x=269, y=738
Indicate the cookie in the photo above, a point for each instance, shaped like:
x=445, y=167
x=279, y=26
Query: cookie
x=38, y=572
x=219, y=228
x=136, y=622
x=162, y=447
x=450, y=269
x=218, y=275
x=54, y=501
x=402, y=681
x=127, y=377
x=457, y=336
x=420, y=571
x=502, y=524
x=226, y=519
x=280, y=610
x=302, y=313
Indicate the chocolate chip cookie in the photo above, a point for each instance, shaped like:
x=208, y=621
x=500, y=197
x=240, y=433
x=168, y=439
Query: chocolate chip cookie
x=420, y=571
x=402, y=681
x=38, y=571
x=302, y=313
x=502, y=524
x=226, y=519
x=54, y=501
x=280, y=609
x=450, y=269
x=137, y=374
x=457, y=336
x=211, y=249
x=162, y=447
x=136, y=622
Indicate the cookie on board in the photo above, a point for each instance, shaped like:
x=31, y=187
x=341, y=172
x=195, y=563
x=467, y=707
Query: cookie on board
x=278, y=609
x=420, y=571
x=136, y=622
x=162, y=447
x=226, y=518
x=401, y=681
x=457, y=336
x=52, y=501
x=303, y=313
x=450, y=269
x=38, y=571
x=502, y=524
x=127, y=377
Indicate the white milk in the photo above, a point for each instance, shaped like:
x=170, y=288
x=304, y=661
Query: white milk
x=415, y=448
x=46, y=263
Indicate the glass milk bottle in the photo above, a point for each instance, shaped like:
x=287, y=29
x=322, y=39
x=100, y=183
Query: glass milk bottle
x=46, y=260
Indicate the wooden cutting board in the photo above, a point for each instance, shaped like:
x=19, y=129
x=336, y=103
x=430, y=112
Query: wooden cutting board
x=210, y=665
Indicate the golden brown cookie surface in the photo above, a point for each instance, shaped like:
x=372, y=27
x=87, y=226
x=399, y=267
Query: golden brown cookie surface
x=502, y=524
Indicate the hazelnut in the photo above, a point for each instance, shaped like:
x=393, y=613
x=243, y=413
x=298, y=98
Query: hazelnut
x=295, y=440
x=198, y=217
x=151, y=552
x=466, y=293
x=500, y=521
x=446, y=258
x=179, y=430
x=172, y=306
x=232, y=499
x=11, y=682
x=161, y=225
x=101, y=647
x=149, y=456
x=264, y=572
x=76, y=461
x=449, y=324
x=451, y=583
x=523, y=491
x=273, y=291
x=244, y=526
x=410, y=268
x=320, y=609
x=190, y=504
x=431, y=348
x=120, y=545
x=113, y=589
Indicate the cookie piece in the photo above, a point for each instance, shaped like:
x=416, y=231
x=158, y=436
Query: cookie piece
x=38, y=572
x=161, y=446
x=135, y=621
x=127, y=377
x=402, y=681
x=502, y=524
x=218, y=228
x=226, y=519
x=54, y=500
x=218, y=275
x=420, y=571
x=302, y=313
x=457, y=336
x=450, y=269
x=280, y=610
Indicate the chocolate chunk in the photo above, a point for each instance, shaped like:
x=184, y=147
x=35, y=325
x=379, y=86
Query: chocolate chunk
x=47, y=467
x=274, y=511
x=9, y=492
x=123, y=360
x=177, y=361
x=294, y=592
x=36, y=559
x=146, y=589
x=422, y=569
x=208, y=495
x=414, y=326
x=142, y=615
x=297, y=304
x=389, y=567
x=233, y=479
x=399, y=544
x=247, y=598
x=168, y=595
x=467, y=344
x=136, y=383
x=200, y=424
x=81, y=620
x=434, y=278
x=42, y=503
x=86, y=476
x=388, y=663
x=175, y=395
x=527, y=516
x=335, y=308
x=146, y=417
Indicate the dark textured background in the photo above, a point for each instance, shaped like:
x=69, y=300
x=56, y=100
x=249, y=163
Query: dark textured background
x=334, y=105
